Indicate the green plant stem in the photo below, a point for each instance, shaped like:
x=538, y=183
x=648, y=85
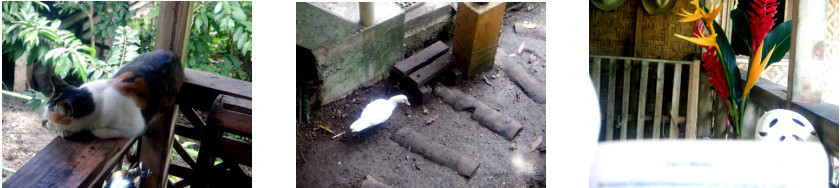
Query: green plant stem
x=16, y=95
x=9, y=170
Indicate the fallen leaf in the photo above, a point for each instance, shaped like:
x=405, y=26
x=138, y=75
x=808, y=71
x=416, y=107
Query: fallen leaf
x=325, y=128
x=529, y=25
x=521, y=47
x=425, y=111
x=536, y=143
x=432, y=119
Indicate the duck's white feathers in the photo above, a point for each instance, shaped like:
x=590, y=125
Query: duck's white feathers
x=375, y=113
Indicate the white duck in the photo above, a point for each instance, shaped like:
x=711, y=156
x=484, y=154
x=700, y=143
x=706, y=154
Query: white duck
x=377, y=112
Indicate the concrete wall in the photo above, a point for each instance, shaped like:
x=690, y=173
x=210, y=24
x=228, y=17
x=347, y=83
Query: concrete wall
x=359, y=57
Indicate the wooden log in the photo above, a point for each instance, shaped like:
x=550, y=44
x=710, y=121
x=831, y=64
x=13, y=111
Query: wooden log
x=370, y=182
x=488, y=117
x=625, y=101
x=596, y=75
x=435, y=152
x=611, y=102
x=533, y=88
x=640, y=124
x=657, y=109
x=675, y=101
x=66, y=163
x=693, y=94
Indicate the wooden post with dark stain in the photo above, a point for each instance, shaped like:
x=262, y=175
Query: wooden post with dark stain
x=172, y=34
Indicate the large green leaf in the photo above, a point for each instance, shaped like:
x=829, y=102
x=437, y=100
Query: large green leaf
x=780, y=38
x=733, y=75
x=741, y=27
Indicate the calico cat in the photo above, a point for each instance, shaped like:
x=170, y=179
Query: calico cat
x=120, y=106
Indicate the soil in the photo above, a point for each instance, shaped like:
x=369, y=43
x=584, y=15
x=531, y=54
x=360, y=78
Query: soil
x=323, y=161
x=23, y=135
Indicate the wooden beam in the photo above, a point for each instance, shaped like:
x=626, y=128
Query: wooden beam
x=675, y=101
x=66, y=163
x=693, y=94
x=642, y=59
x=172, y=34
x=611, y=102
x=657, y=111
x=640, y=124
x=625, y=101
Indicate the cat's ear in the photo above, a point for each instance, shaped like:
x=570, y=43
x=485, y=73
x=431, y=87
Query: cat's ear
x=58, y=84
x=63, y=109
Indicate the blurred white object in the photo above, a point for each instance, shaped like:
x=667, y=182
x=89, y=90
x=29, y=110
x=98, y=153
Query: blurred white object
x=782, y=125
x=709, y=163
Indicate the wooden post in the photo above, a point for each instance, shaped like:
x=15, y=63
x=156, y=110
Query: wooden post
x=611, y=102
x=625, y=99
x=172, y=34
x=477, y=30
x=675, y=102
x=806, y=63
x=596, y=75
x=657, y=111
x=640, y=117
x=693, y=93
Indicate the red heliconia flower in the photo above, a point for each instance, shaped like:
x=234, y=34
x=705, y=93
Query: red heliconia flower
x=761, y=20
x=712, y=64
x=714, y=69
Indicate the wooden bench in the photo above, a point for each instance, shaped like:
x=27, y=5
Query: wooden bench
x=87, y=163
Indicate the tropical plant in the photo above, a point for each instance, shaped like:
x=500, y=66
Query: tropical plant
x=753, y=22
x=26, y=32
x=221, y=35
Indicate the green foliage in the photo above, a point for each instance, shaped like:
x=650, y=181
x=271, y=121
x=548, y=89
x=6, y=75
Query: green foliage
x=37, y=101
x=220, y=38
x=26, y=32
x=113, y=13
x=123, y=50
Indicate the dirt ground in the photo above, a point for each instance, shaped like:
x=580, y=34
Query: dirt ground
x=23, y=135
x=344, y=162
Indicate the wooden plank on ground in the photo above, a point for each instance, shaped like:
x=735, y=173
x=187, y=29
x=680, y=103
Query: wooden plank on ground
x=640, y=123
x=611, y=102
x=675, y=102
x=66, y=163
x=693, y=93
x=432, y=70
x=657, y=111
x=596, y=76
x=625, y=100
x=420, y=59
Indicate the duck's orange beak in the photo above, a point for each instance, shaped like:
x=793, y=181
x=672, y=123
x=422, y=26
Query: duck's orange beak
x=407, y=103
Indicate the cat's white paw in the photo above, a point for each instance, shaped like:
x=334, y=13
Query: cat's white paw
x=63, y=133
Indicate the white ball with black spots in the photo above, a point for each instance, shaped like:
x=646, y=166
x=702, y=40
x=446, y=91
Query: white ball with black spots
x=784, y=126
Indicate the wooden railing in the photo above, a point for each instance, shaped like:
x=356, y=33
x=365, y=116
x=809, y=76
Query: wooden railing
x=764, y=96
x=670, y=118
x=87, y=163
